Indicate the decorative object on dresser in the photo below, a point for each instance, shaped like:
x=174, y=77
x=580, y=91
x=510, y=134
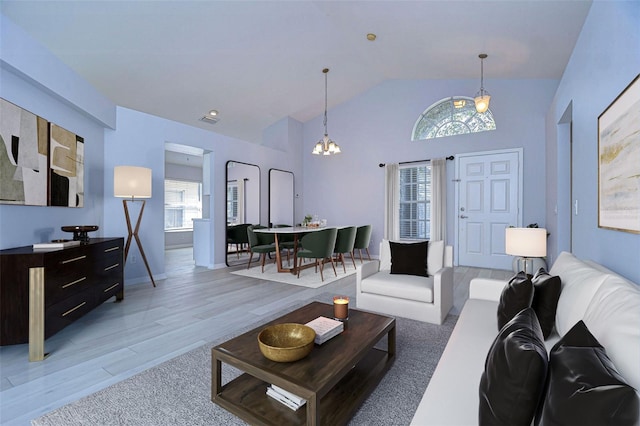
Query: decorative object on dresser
x=43, y=291
x=80, y=233
x=133, y=182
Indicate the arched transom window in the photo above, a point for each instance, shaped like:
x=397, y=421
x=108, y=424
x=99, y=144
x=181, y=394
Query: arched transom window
x=452, y=116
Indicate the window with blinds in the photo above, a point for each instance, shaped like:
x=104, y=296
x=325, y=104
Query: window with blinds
x=182, y=204
x=232, y=202
x=415, y=201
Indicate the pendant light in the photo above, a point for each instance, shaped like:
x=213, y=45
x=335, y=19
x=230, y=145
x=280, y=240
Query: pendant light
x=482, y=97
x=325, y=146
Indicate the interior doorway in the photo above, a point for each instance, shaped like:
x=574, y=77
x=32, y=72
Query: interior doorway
x=488, y=200
x=183, y=203
x=564, y=200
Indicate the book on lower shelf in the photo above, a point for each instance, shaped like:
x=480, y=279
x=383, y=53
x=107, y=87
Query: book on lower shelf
x=57, y=244
x=285, y=397
x=325, y=328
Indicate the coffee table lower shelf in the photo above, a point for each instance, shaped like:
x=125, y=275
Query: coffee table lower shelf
x=246, y=396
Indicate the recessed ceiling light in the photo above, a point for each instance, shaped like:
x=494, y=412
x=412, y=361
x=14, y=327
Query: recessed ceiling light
x=213, y=113
x=371, y=36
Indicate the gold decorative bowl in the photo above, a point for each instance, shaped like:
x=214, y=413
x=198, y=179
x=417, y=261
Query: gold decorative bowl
x=286, y=342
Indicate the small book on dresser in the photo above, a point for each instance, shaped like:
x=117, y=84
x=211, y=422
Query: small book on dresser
x=56, y=244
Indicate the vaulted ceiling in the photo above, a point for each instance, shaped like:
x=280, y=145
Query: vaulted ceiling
x=257, y=62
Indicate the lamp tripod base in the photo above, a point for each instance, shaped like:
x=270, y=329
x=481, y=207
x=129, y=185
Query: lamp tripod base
x=133, y=234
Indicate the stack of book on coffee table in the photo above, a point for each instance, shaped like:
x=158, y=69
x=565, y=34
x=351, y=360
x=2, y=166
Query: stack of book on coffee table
x=325, y=328
x=285, y=397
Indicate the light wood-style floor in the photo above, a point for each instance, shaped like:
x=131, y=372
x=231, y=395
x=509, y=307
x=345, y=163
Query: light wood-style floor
x=193, y=306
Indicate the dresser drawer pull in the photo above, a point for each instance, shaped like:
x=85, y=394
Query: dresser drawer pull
x=112, y=266
x=73, y=309
x=112, y=249
x=74, y=259
x=74, y=282
x=110, y=288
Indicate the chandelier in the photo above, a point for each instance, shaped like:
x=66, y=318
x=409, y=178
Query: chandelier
x=482, y=97
x=325, y=146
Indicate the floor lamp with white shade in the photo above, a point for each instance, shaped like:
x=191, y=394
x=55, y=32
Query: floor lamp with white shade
x=526, y=243
x=131, y=183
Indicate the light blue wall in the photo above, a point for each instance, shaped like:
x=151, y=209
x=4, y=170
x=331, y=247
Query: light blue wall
x=34, y=79
x=371, y=128
x=605, y=60
x=25, y=225
x=139, y=140
x=376, y=126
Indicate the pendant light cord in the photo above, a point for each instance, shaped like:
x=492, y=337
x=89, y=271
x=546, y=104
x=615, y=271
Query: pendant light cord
x=325, y=71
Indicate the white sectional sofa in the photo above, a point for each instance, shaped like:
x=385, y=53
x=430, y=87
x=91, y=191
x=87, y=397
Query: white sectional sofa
x=420, y=298
x=608, y=304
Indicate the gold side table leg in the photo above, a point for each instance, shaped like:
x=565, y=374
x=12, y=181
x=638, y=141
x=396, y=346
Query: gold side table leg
x=36, y=314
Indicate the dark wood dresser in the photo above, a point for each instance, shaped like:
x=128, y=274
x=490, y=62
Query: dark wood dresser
x=43, y=291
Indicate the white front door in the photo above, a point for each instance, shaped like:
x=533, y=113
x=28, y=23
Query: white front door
x=488, y=201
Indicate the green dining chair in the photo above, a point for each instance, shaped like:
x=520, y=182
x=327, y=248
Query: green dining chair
x=363, y=237
x=237, y=235
x=259, y=243
x=345, y=240
x=286, y=241
x=318, y=245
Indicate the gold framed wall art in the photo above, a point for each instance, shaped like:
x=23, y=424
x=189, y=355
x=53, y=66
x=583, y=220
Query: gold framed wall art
x=619, y=162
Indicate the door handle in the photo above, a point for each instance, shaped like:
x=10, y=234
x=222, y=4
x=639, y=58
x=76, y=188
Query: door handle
x=463, y=216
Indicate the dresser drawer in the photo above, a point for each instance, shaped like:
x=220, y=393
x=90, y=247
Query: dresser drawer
x=67, y=311
x=66, y=274
x=110, y=288
x=110, y=250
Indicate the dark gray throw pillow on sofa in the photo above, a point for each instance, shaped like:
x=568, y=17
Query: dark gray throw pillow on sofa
x=546, y=292
x=584, y=387
x=516, y=296
x=409, y=258
x=514, y=374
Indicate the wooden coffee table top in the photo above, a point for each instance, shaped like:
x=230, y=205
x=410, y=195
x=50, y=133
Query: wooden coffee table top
x=316, y=375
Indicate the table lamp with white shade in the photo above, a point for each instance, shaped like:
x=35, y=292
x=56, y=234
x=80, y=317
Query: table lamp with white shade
x=526, y=243
x=133, y=183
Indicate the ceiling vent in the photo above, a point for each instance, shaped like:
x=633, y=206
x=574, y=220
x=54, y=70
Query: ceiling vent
x=209, y=119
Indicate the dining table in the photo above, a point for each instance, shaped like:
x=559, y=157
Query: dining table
x=296, y=231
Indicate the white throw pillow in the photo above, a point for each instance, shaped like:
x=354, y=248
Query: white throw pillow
x=613, y=317
x=435, y=255
x=579, y=283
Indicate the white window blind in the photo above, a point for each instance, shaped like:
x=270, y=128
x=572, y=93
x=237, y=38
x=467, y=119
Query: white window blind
x=415, y=201
x=182, y=204
x=232, y=202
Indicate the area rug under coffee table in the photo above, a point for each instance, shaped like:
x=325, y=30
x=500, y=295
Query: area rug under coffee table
x=178, y=391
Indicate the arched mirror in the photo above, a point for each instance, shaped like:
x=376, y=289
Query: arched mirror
x=243, y=208
x=281, y=198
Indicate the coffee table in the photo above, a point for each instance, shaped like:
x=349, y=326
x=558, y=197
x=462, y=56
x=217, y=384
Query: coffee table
x=335, y=378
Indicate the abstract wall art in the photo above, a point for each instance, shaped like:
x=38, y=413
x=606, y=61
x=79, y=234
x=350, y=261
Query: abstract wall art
x=41, y=164
x=66, y=153
x=619, y=162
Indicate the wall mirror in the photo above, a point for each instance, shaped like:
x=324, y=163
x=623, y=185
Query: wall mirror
x=243, y=209
x=281, y=197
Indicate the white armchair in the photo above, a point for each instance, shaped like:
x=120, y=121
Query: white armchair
x=426, y=299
